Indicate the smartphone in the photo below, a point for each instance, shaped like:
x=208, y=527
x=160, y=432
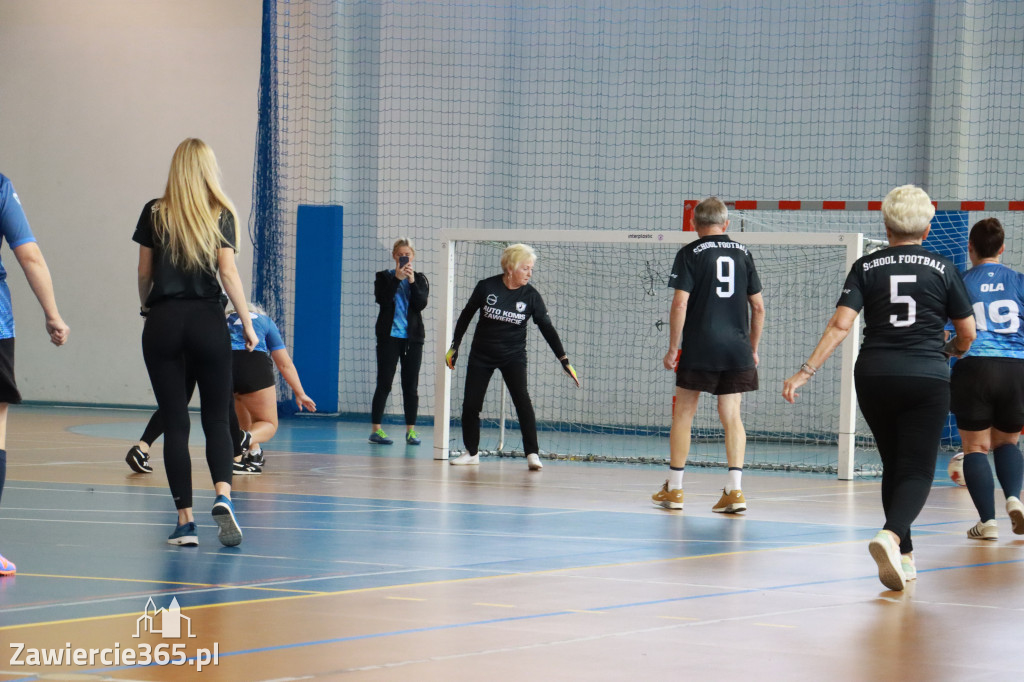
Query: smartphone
x=403, y=261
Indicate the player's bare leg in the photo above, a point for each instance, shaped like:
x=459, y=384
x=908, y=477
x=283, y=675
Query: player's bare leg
x=732, y=423
x=735, y=452
x=670, y=496
x=683, y=412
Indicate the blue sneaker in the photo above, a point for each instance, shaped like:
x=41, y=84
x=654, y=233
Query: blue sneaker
x=378, y=437
x=184, y=535
x=229, y=534
x=411, y=438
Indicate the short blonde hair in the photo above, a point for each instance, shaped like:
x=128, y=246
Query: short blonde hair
x=515, y=255
x=403, y=241
x=710, y=212
x=907, y=211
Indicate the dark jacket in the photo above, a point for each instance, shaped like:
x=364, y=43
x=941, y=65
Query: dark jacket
x=384, y=288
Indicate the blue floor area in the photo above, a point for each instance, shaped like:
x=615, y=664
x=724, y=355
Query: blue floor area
x=95, y=549
x=297, y=544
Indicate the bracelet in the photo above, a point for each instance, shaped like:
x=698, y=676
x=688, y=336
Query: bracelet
x=807, y=368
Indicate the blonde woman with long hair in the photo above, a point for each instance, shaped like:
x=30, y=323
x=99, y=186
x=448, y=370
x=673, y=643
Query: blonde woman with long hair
x=186, y=239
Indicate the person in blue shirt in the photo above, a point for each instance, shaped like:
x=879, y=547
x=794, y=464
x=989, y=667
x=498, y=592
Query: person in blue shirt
x=987, y=384
x=15, y=230
x=254, y=385
x=401, y=294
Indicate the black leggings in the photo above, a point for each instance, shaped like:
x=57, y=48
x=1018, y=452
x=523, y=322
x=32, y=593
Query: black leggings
x=155, y=427
x=906, y=416
x=193, y=332
x=389, y=351
x=478, y=376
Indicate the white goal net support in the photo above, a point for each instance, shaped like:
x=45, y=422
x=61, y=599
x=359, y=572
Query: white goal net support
x=607, y=294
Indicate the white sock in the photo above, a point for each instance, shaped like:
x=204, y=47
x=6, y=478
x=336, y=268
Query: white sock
x=675, y=479
x=733, y=482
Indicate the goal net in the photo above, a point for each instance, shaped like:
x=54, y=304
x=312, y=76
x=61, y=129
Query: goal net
x=607, y=296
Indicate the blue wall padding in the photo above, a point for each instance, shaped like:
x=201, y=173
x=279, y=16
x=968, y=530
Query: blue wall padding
x=317, y=328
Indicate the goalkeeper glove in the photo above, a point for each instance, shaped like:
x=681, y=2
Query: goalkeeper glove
x=449, y=357
x=568, y=369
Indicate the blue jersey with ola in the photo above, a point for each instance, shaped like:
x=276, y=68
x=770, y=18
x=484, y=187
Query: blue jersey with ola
x=13, y=228
x=997, y=293
x=266, y=331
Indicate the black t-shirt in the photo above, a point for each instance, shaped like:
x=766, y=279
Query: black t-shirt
x=174, y=282
x=501, y=332
x=719, y=275
x=907, y=294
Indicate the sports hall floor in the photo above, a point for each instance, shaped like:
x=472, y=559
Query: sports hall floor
x=378, y=563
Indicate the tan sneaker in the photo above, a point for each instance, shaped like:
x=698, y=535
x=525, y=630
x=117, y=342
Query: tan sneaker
x=1015, y=510
x=731, y=503
x=669, y=499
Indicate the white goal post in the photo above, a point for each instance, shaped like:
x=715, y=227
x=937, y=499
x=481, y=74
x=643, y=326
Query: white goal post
x=449, y=308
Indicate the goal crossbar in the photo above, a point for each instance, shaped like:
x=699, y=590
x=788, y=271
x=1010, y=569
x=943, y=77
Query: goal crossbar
x=445, y=290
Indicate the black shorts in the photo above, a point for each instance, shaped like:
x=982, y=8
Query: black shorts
x=717, y=383
x=251, y=371
x=988, y=392
x=8, y=386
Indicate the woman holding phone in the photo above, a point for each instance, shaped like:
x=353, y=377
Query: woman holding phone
x=401, y=294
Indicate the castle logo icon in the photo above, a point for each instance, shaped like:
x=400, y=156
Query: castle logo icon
x=170, y=621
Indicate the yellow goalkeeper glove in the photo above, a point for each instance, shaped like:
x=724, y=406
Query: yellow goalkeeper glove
x=449, y=357
x=570, y=370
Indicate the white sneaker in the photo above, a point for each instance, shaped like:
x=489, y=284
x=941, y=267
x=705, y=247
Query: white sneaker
x=1015, y=510
x=887, y=555
x=909, y=567
x=465, y=458
x=533, y=462
x=984, y=530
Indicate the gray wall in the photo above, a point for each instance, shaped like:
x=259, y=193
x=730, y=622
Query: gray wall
x=94, y=97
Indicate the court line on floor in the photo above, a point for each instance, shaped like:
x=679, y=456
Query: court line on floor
x=453, y=581
x=549, y=614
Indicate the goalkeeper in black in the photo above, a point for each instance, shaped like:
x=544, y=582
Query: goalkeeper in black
x=902, y=372
x=718, y=314
x=506, y=303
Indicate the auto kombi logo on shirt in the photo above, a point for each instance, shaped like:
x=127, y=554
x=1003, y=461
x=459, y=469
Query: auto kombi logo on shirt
x=520, y=306
x=491, y=299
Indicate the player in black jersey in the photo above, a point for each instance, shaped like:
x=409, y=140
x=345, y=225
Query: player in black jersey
x=718, y=313
x=506, y=302
x=902, y=373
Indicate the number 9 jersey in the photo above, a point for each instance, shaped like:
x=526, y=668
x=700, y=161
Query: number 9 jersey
x=998, y=295
x=907, y=294
x=719, y=275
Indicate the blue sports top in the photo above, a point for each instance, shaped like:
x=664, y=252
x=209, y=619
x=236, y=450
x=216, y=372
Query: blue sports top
x=14, y=228
x=400, y=323
x=266, y=331
x=997, y=293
